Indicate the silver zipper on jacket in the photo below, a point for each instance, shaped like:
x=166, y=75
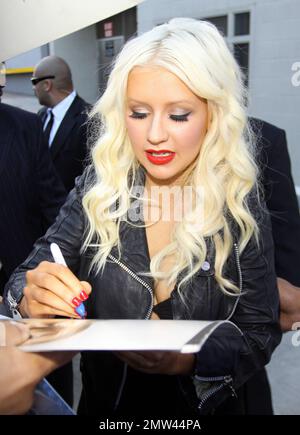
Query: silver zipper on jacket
x=11, y=301
x=238, y=264
x=137, y=278
x=226, y=381
x=13, y=305
x=148, y=314
x=237, y=257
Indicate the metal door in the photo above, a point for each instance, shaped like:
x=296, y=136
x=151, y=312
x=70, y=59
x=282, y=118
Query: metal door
x=108, y=48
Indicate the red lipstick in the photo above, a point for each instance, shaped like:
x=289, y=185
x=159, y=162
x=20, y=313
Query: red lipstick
x=160, y=157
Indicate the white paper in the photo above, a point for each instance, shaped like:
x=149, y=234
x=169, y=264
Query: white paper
x=26, y=24
x=186, y=336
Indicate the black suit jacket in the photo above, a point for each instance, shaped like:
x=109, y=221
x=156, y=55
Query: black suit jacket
x=69, y=147
x=31, y=192
x=281, y=198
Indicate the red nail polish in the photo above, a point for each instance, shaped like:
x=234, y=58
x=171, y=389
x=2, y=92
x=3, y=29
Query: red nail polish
x=76, y=302
x=83, y=296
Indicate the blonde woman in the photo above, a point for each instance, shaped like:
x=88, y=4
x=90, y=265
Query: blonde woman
x=165, y=224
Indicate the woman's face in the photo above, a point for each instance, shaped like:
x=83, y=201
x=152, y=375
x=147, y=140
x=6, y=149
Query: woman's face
x=166, y=123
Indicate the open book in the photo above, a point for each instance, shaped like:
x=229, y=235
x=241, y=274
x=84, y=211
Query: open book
x=186, y=336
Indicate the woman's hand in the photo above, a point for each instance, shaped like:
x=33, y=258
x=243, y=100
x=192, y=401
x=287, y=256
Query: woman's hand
x=165, y=363
x=53, y=290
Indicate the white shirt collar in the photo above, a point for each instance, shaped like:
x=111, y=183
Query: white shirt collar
x=63, y=106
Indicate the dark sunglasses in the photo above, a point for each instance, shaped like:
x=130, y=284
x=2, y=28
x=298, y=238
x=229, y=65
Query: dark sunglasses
x=36, y=80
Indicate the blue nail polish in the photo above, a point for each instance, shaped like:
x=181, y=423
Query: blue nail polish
x=81, y=310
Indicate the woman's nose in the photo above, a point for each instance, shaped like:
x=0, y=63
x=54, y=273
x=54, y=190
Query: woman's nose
x=157, y=132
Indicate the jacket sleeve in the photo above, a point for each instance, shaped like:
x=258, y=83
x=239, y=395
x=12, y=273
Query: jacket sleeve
x=230, y=359
x=67, y=231
x=281, y=200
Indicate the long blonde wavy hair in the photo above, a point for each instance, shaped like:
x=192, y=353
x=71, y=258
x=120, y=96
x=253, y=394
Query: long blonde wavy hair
x=197, y=54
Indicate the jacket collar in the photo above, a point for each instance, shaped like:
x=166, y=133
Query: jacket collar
x=66, y=126
x=134, y=244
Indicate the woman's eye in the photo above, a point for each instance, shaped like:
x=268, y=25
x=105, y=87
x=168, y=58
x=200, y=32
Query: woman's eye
x=177, y=118
x=180, y=118
x=138, y=115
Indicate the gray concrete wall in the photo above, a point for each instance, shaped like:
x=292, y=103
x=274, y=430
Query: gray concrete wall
x=20, y=83
x=28, y=59
x=274, y=48
x=79, y=50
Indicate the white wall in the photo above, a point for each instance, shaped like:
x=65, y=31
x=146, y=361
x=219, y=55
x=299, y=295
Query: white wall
x=28, y=59
x=274, y=48
x=79, y=50
x=153, y=12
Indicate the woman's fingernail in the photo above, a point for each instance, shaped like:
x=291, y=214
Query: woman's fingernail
x=80, y=310
x=83, y=296
x=76, y=302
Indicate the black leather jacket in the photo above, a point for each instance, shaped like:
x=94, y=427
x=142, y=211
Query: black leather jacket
x=225, y=362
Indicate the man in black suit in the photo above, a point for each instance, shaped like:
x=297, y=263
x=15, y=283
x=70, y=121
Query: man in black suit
x=279, y=193
x=64, y=117
x=31, y=192
x=31, y=195
x=282, y=202
x=281, y=199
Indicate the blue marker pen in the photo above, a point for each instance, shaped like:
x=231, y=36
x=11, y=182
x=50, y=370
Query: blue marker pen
x=59, y=259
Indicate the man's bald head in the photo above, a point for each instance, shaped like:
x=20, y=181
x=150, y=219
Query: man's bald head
x=56, y=66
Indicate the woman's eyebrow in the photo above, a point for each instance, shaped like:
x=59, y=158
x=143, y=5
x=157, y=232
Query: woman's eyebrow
x=132, y=100
x=169, y=103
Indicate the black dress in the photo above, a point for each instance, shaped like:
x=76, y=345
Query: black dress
x=154, y=395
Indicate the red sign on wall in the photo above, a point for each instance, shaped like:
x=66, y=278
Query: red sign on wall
x=108, y=29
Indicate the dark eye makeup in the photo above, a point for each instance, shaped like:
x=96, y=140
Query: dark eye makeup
x=180, y=118
x=138, y=115
x=176, y=118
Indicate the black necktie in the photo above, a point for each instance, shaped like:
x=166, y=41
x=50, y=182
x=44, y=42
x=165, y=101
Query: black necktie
x=49, y=126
